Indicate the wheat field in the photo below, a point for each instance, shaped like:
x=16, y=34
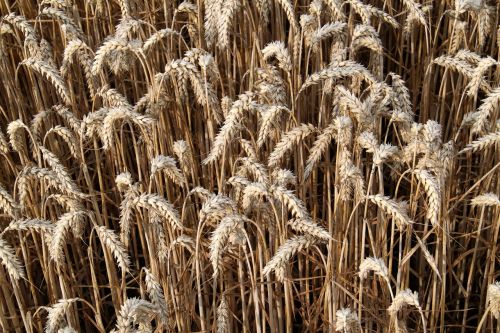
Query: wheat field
x=249, y=166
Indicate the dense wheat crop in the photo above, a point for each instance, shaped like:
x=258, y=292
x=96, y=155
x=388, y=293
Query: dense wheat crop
x=249, y=166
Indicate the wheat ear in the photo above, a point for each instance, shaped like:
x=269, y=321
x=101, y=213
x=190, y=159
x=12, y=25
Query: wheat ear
x=10, y=261
x=110, y=240
x=56, y=313
x=155, y=292
x=285, y=252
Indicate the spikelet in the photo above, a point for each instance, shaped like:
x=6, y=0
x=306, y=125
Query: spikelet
x=239, y=181
x=278, y=50
x=290, y=138
x=202, y=193
x=92, y=123
x=160, y=206
x=433, y=191
x=155, y=292
x=169, y=166
x=366, y=36
x=228, y=226
x=464, y=5
x=223, y=316
x=493, y=299
x=456, y=64
x=110, y=240
x=309, y=228
x=486, y=200
x=285, y=252
x=393, y=208
x=80, y=50
x=126, y=213
x=347, y=321
x=184, y=70
x=368, y=141
x=112, y=98
x=56, y=314
x=320, y=146
x=124, y=181
x=10, y=261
